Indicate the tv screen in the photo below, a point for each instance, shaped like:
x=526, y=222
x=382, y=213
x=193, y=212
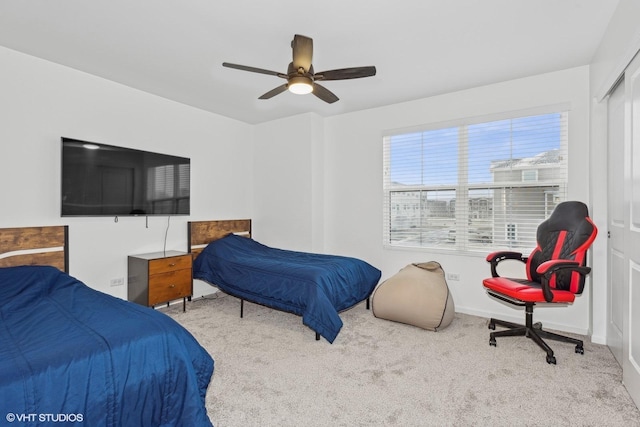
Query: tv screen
x=105, y=180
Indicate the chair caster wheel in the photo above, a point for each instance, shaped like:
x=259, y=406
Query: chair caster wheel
x=492, y=342
x=579, y=349
x=551, y=360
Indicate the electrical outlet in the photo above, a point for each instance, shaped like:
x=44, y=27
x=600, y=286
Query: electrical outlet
x=453, y=276
x=117, y=281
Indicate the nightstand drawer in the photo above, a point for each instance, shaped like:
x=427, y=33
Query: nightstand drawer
x=169, y=286
x=163, y=265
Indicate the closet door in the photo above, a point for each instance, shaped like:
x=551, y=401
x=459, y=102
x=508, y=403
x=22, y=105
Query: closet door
x=631, y=313
x=616, y=226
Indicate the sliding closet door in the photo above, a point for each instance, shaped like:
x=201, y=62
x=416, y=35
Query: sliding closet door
x=616, y=227
x=631, y=316
x=623, y=310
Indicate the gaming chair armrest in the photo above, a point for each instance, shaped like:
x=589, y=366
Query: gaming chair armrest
x=548, y=268
x=495, y=257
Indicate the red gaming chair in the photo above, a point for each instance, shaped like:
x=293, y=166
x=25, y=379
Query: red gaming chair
x=555, y=273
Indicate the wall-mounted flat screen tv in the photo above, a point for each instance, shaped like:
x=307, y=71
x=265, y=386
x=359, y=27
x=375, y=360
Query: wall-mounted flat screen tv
x=106, y=180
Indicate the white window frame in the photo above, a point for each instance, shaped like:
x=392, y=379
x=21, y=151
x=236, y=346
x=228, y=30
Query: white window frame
x=461, y=238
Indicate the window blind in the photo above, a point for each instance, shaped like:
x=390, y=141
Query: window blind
x=474, y=185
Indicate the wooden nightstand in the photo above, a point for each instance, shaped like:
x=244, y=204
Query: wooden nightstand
x=160, y=277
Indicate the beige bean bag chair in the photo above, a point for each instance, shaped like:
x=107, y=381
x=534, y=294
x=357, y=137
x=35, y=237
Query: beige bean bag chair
x=417, y=295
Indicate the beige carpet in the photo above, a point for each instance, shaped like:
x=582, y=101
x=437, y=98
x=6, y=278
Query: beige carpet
x=270, y=371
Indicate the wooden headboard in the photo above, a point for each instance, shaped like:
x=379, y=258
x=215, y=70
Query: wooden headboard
x=202, y=233
x=35, y=246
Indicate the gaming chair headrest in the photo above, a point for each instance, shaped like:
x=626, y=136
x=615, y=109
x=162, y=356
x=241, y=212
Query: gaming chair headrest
x=572, y=216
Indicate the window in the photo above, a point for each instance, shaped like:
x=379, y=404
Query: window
x=476, y=184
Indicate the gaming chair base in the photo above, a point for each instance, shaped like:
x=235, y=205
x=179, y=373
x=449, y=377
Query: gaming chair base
x=533, y=331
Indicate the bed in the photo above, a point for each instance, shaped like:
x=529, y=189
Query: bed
x=314, y=286
x=73, y=355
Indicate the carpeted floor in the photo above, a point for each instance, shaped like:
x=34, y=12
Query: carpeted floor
x=270, y=371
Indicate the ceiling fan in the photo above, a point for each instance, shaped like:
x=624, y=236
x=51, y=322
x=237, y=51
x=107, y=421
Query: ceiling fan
x=300, y=76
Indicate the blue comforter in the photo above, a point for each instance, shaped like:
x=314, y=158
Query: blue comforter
x=70, y=355
x=314, y=286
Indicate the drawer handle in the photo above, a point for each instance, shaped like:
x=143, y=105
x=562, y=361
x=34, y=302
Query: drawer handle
x=172, y=286
x=173, y=264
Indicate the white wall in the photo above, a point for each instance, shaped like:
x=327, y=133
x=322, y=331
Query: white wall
x=617, y=48
x=41, y=101
x=353, y=181
x=308, y=183
x=288, y=184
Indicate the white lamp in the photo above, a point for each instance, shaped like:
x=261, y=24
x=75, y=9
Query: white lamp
x=300, y=85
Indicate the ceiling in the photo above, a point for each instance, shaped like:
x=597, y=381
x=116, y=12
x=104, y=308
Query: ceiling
x=420, y=48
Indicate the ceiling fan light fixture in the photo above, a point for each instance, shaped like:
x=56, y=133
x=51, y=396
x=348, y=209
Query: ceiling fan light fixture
x=300, y=85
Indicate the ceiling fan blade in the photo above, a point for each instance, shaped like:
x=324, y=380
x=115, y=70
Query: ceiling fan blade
x=274, y=92
x=325, y=94
x=302, y=52
x=346, y=73
x=254, y=69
